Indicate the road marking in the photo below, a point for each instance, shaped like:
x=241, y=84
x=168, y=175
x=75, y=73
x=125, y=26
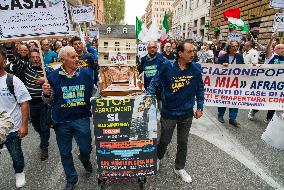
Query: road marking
x=209, y=129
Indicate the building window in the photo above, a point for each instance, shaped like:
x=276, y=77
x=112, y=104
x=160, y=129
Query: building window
x=195, y=23
x=217, y=2
x=106, y=56
x=128, y=57
x=124, y=30
x=105, y=44
x=128, y=46
x=108, y=30
x=202, y=21
x=116, y=44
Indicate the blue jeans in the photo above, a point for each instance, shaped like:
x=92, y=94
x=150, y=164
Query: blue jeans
x=39, y=118
x=14, y=146
x=80, y=130
x=233, y=112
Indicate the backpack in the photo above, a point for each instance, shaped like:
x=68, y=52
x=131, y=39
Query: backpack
x=10, y=84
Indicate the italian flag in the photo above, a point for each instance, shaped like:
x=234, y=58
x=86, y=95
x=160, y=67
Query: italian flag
x=141, y=30
x=138, y=28
x=165, y=30
x=234, y=17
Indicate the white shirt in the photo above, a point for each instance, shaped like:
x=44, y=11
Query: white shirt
x=231, y=58
x=251, y=57
x=8, y=102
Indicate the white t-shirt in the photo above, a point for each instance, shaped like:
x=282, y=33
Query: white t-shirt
x=251, y=57
x=8, y=102
x=231, y=58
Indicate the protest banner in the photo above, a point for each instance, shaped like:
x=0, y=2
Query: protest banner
x=33, y=19
x=244, y=86
x=83, y=13
x=94, y=32
x=278, y=23
x=116, y=57
x=276, y=4
x=235, y=36
x=125, y=136
x=142, y=49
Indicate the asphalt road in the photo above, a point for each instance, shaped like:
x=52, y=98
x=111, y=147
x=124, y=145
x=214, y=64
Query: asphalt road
x=219, y=157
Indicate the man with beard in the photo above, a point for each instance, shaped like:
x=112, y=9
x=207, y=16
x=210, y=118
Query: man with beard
x=150, y=63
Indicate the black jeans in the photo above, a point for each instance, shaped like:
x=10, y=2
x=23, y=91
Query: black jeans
x=39, y=118
x=269, y=115
x=168, y=127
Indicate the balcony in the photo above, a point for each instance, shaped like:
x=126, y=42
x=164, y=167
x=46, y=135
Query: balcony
x=121, y=49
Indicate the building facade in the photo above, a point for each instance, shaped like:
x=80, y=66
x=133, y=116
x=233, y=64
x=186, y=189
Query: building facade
x=117, y=38
x=156, y=10
x=190, y=18
x=255, y=13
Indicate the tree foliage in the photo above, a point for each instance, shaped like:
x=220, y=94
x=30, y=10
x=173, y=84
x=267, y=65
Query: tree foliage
x=114, y=11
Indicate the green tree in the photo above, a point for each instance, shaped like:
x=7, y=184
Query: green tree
x=114, y=11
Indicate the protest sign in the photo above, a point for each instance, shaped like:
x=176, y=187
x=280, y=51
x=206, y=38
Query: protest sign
x=126, y=136
x=83, y=13
x=276, y=4
x=244, y=86
x=116, y=57
x=94, y=32
x=278, y=22
x=31, y=19
x=235, y=36
x=142, y=49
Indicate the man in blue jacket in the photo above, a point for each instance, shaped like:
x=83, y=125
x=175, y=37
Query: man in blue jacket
x=182, y=86
x=150, y=63
x=69, y=91
x=87, y=60
x=231, y=57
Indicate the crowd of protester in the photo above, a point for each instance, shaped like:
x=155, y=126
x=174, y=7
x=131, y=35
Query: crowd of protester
x=25, y=92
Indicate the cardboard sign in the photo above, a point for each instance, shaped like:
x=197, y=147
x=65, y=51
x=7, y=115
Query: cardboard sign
x=31, y=19
x=126, y=136
x=118, y=57
x=276, y=4
x=278, y=22
x=235, y=36
x=94, y=32
x=84, y=13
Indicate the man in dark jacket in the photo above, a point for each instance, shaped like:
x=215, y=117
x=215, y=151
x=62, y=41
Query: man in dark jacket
x=69, y=91
x=87, y=60
x=182, y=86
x=18, y=64
x=150, y=63
x=231, y=57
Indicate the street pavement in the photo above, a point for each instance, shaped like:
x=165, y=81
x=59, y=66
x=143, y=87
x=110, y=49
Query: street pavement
x=220, y=157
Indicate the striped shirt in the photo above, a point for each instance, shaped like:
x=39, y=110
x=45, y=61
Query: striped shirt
x=35, y=90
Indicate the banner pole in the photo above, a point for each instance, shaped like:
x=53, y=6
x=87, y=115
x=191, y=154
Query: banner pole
x=42, y=62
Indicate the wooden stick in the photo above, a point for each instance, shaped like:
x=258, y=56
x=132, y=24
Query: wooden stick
x=42, y=62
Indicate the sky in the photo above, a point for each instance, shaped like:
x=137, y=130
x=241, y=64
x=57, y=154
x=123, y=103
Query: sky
x=134, y=8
